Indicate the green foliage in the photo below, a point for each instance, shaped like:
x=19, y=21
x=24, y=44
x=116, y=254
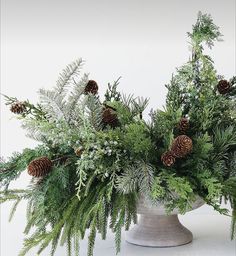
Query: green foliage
x=179, y=192
x=129, y=108
x=164, y=124
x=157, y=191
x=224, y=142
x=92, y=211
x=33, y=111
x=205, y=31
x=136, y=177
x=17, y=163
x=137, y=139
x=112, y=94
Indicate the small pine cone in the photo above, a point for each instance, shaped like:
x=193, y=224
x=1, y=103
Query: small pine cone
x=91, y=87
x=18, y=107
x=40, y=167
x=181, y=146
x=168, y=159
x=109, y=117
x=223, y=86
x=79, y=151
x=183, y=124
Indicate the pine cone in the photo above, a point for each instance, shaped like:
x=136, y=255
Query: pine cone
x=40, y=167
x=183, y=124
x=223, y=86
x=168, y=159
x=181, y=146
x=79, y=151
x=91, y=87
x=18, y=107
x=109, y=117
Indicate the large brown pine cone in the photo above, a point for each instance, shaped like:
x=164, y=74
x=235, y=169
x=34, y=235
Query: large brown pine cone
x=181, y=146
x=109, y=117
x=183, y=124
x=40, y=167
x=223, y=86
x=168, y=159
x=18, y=107
x=91, y=87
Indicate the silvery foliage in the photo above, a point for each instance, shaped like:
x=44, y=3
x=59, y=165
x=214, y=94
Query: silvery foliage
x=139, y=176
x=66, y=106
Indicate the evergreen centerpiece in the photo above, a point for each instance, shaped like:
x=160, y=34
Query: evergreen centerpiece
x=96, y=157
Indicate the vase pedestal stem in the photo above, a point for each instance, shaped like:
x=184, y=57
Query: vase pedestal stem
x=159, y=231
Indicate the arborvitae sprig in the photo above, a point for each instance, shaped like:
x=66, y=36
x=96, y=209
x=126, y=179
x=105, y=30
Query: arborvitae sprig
x=204, y=31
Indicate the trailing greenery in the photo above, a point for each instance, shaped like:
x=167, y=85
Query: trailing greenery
x=105, y=156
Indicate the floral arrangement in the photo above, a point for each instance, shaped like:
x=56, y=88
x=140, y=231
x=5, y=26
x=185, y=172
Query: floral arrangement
x=96, y=155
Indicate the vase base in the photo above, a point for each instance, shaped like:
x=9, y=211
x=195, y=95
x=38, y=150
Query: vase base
x=159, y=231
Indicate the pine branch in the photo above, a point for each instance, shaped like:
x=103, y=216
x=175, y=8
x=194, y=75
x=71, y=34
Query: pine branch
x=139, y=176
x=67, y=75
x=74, y=97
x=53, y=104
x=94, y=110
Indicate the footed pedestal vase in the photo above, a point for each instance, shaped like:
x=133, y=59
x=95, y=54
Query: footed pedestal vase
x=156, y=229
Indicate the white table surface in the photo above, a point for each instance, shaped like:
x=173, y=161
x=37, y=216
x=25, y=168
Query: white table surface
x=211, y=237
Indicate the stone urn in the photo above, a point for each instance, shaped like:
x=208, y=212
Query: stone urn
x=157, y=229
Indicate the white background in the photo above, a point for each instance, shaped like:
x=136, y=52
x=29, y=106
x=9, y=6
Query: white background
x=142, y=41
